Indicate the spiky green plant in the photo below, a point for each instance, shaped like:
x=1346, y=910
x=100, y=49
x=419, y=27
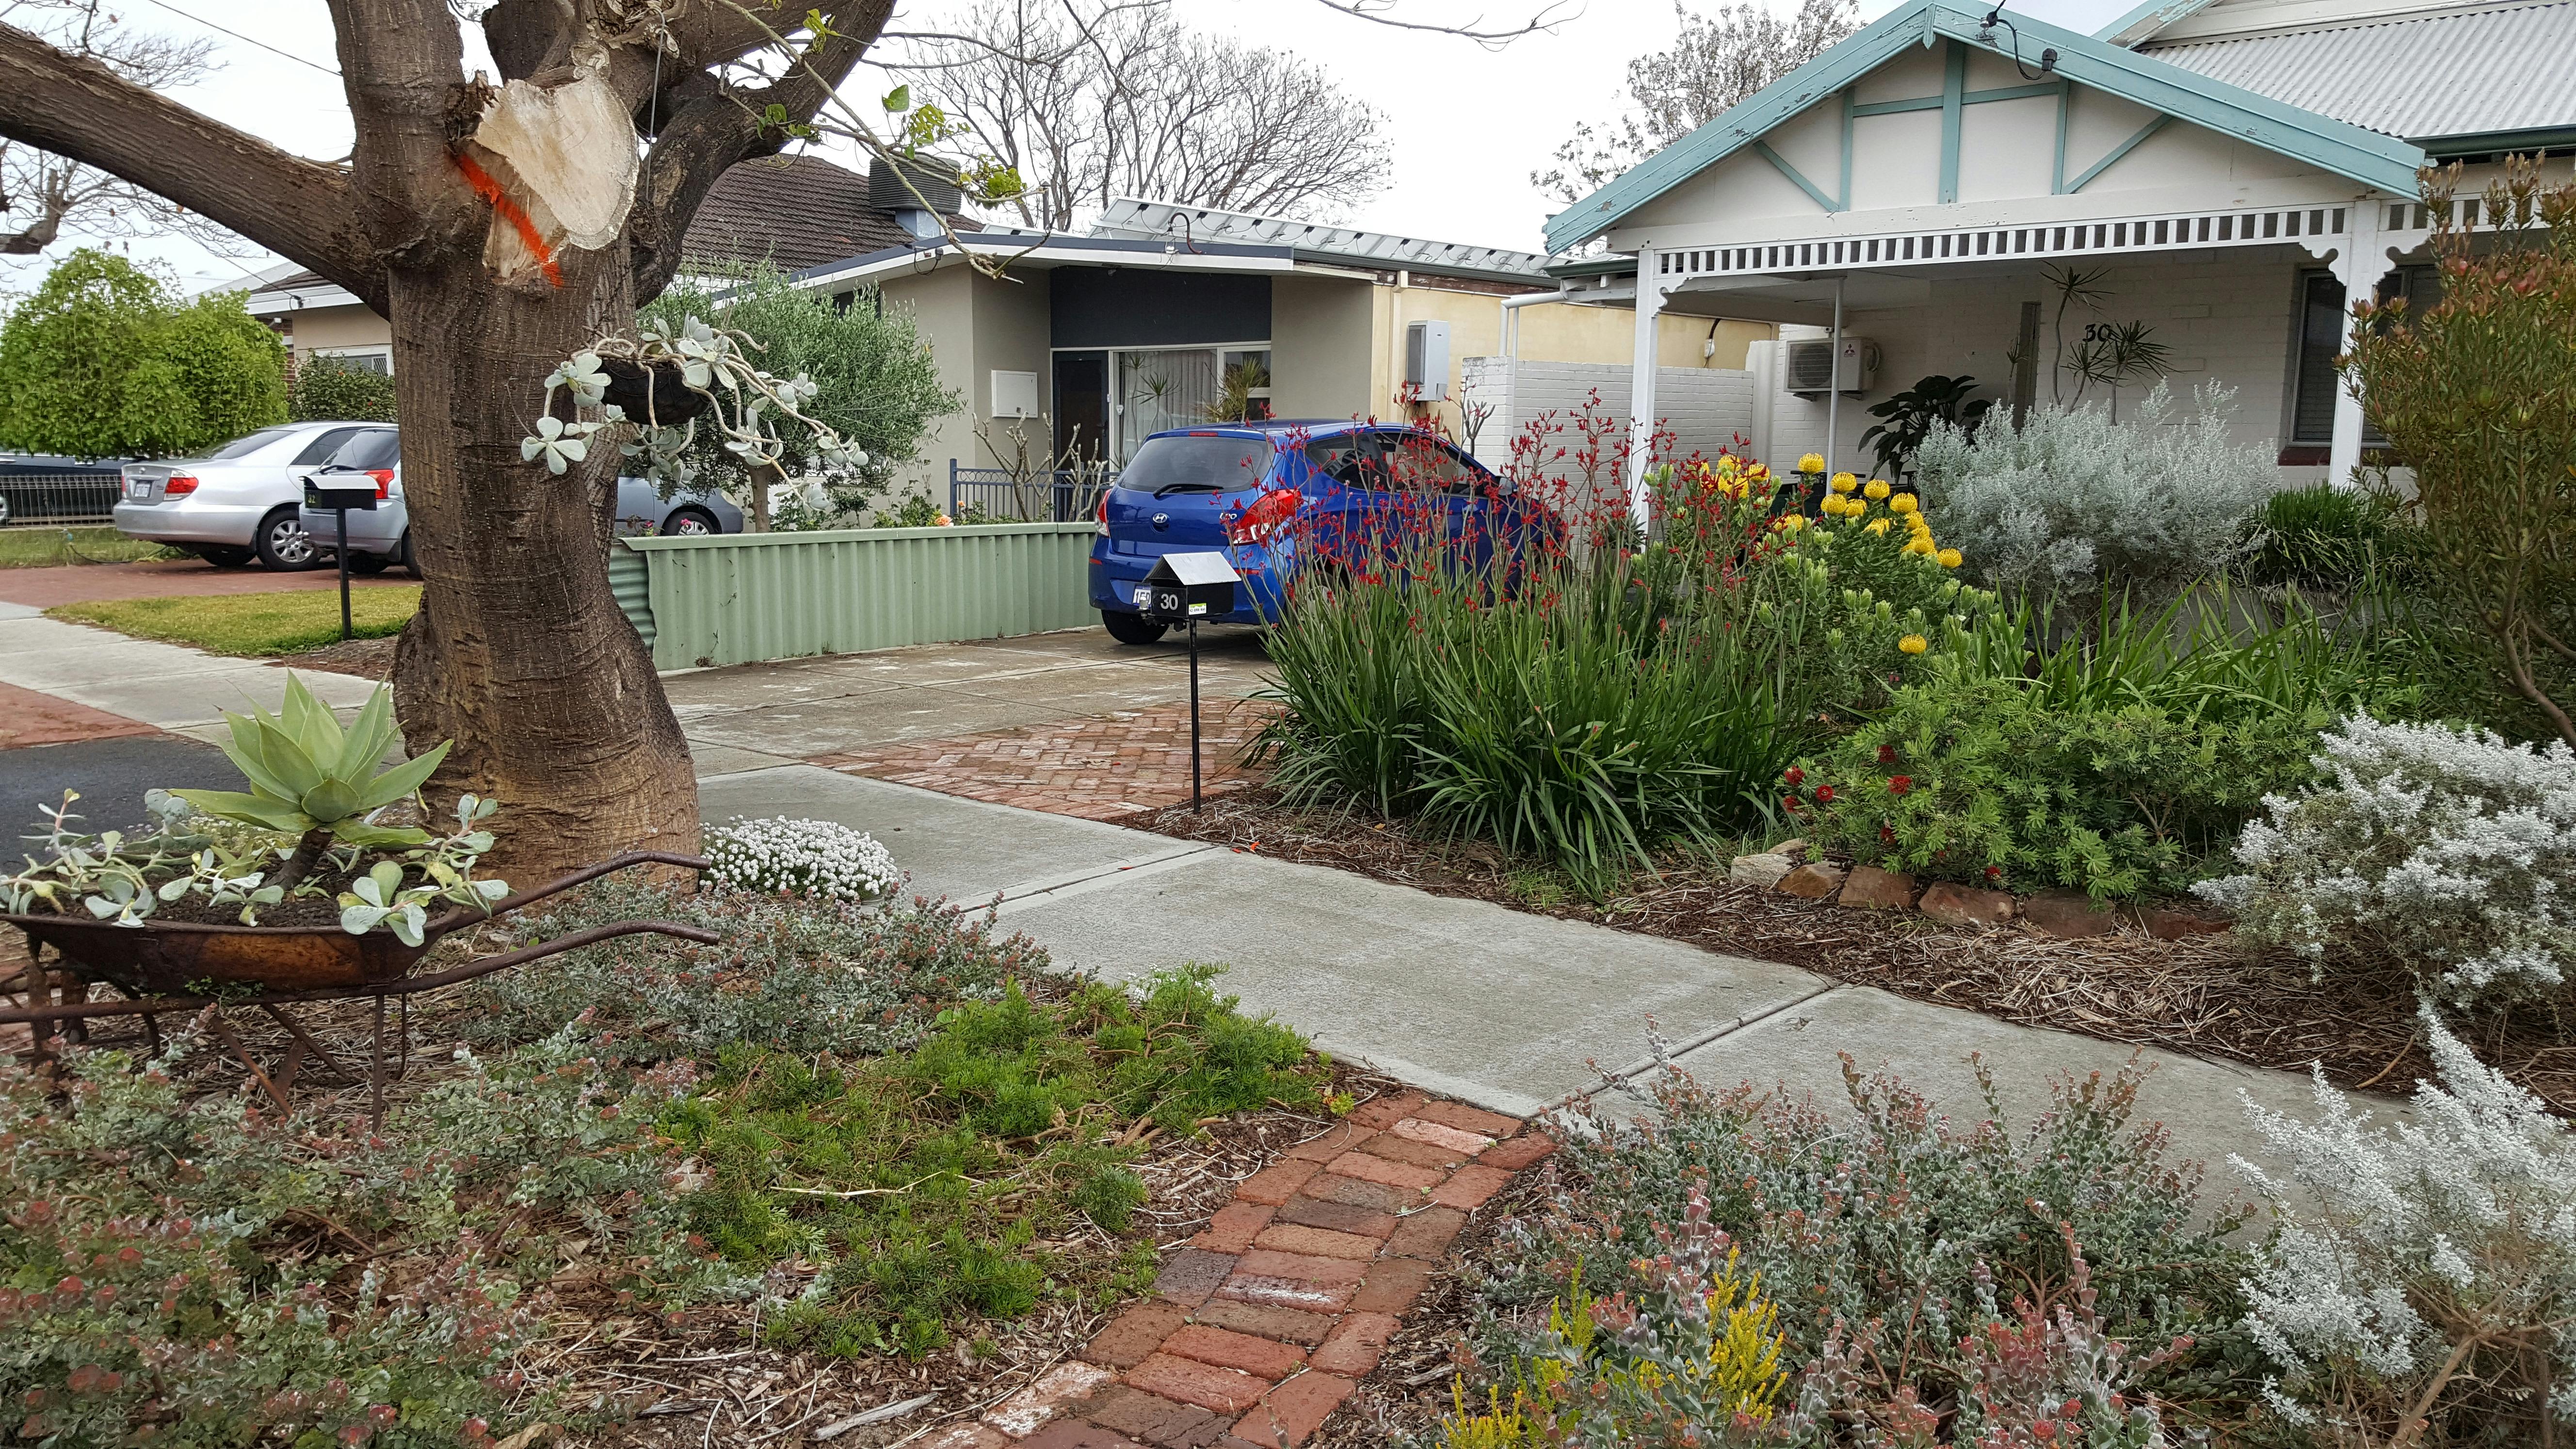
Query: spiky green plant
x=309, y=776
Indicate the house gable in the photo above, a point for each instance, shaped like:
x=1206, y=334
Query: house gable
x=1927, y=99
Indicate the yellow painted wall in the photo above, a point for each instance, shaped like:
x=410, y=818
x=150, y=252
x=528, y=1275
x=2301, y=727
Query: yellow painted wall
x=330, y=327
x=1549, y=332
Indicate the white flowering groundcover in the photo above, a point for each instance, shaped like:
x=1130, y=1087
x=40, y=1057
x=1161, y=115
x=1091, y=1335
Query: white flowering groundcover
x=2451, y=850
x=808, y=859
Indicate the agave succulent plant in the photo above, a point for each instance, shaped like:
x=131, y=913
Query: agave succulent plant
x=309, y=776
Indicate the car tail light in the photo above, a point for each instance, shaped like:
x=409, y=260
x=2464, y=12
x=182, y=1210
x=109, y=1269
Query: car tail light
x=176, y=484
x=1100, y=517
x=1256, y=523
x=384, y=481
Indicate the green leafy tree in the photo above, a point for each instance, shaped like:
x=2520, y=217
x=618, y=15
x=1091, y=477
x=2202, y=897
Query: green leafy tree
x=876, y=381
x=334, y=389
x=103, y=362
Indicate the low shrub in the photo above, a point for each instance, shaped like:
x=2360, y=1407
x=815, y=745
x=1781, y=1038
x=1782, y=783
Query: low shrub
x=2450, y=850
x=2422, y=1281
x=2119, y=761
x=803, y=978
x=812, y=859
x=921, y=1182
x=199, y=1272
x=1983, y=781
x=1755, y=1269
x=2071, y=500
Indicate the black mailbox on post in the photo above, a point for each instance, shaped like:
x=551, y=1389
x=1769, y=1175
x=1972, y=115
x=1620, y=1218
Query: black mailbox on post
x=324, y=492
x=1183, y=588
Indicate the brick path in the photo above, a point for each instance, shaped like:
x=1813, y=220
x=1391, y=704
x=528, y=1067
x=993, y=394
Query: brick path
x=43, y=588
x=31, y=717
x=1268, y=1320
x=1098, y=769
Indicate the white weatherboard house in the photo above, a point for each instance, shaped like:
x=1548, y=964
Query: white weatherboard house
x=2234, y=171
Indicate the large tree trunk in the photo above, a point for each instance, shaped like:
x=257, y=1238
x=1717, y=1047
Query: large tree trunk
x=519, y=653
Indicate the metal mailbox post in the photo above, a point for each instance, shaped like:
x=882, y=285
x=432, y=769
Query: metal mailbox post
x=340, y=499
x=1183, y=588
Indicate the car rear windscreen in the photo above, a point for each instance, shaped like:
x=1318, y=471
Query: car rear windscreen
x=1218, y=463
x=378, y=448
x=249, y=443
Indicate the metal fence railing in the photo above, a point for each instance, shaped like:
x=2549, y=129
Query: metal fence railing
x=57, y=497
x=993, y=495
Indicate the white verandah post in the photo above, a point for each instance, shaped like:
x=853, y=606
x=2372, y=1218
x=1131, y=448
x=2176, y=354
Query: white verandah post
x=1641, y=388
x=2359, y=265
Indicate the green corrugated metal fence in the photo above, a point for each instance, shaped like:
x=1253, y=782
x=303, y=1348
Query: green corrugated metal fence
x=735, y=598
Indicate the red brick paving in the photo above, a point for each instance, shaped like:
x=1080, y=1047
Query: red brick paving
x=1262, y=1327
x=28, y=717
x=1099, y=769
x=167, y=578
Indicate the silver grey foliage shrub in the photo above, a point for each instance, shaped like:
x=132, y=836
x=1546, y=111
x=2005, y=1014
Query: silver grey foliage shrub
x=2423, y=1267
x=2071, y=500
x=2450, y=850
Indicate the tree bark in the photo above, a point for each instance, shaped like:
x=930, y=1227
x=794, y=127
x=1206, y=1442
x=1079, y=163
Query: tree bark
x=519, y=652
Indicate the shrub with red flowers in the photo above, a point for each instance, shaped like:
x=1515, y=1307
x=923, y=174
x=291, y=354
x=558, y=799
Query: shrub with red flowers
x=1990, y=782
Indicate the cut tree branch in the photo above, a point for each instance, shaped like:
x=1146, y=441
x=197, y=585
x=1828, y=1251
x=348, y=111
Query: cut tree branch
x=82, y=111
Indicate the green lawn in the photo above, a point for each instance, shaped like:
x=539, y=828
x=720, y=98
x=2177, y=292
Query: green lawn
x=36, y=548
x=255, y=624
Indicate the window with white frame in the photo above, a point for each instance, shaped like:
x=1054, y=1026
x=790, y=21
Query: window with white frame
x=378, y=360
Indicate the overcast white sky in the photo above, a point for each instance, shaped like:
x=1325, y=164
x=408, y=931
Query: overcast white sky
x=1467, y=124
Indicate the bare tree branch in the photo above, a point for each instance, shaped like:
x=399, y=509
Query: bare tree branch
x=1380, y=12
x=1131, y=103
x=80, y=109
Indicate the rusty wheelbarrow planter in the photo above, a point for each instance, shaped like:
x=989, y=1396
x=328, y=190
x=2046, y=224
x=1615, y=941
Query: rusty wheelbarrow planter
x=182, y=966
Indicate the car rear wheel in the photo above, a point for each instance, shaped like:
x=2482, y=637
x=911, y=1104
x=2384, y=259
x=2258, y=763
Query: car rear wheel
x=690, y=523
x=410, y=562
x=1129, y=628
x=225, y=556
x=367, y=563
x=282, y=542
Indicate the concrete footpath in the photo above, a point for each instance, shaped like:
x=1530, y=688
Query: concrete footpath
x=1510, y=1011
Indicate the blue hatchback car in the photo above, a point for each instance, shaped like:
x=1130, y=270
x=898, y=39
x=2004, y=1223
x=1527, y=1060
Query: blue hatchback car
x=1272, y=495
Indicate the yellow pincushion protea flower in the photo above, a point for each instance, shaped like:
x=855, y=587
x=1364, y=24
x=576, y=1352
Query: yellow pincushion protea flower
x=1878, y=525
x=1811, y=462
x=1844, y=483
x=1913, y=644
x=1951, y=558
x=1877, y=488
x=1919, y=544
x=1790, y=522
x=1902, y=503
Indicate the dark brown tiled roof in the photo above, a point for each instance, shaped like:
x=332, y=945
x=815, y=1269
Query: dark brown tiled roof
x=794, y=211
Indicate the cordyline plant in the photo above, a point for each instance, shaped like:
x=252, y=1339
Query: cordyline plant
x=2478, y=396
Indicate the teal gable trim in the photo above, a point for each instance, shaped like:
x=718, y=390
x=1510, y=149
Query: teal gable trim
x=2380, y=162
x=2143, y=23
x=1954, y=103
x=2115, y=153
x=1763, y=149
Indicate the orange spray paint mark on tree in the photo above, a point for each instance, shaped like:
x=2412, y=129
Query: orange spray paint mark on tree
x=513, y=213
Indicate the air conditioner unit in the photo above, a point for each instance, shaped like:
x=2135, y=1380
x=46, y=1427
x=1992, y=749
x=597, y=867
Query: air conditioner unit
x=1811, y=369
x=1426, y=361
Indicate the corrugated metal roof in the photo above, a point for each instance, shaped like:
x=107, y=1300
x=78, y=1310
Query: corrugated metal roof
x=2421, y=77
x=1163, y=221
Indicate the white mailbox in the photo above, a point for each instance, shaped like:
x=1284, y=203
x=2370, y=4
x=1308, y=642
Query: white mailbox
x=1015, y=394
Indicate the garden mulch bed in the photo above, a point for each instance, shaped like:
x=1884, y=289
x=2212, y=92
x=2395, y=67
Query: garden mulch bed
x=365, y=658
x=2214, y=996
